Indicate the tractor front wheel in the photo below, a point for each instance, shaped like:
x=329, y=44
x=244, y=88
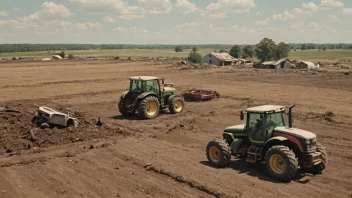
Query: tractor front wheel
x=219, y=153
x=149, y=108
x=125, y=107
x=317, y=169
x=281, y=163
x=176, y=105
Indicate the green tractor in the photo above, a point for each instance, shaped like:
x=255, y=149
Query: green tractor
x=147, y=96
x=266, y=138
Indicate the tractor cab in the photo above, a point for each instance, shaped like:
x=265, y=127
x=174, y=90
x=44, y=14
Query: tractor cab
x=262, y=120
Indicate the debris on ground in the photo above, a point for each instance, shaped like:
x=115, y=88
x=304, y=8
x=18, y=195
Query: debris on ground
x=200, y=95
x=47, y=117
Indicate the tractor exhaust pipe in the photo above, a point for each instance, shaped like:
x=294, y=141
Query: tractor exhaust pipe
x=290, y=118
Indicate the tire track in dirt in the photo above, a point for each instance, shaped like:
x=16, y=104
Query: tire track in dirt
x=62, y=82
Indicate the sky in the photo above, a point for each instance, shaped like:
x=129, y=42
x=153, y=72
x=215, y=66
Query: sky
x=175, y=21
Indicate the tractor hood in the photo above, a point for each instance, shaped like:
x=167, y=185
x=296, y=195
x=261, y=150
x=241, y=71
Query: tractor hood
x=169, y=89
x=236, y=128
x=295, y=132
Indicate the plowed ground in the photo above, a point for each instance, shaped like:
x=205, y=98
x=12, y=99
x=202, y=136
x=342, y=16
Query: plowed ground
x=163, y=157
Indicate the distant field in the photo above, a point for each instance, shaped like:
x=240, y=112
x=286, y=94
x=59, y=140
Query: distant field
x=343, y=55
x=121, y=52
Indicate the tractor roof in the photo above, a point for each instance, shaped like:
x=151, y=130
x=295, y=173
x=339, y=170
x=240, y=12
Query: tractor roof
x=266, y=108
x=143, y=78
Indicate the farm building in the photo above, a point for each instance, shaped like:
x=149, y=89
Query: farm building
x=306, y=65
x=219, y=59
x=279, y=64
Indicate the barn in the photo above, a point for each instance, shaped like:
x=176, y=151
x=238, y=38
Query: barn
x=219, y=59
x=284, y=63
x=306, y=65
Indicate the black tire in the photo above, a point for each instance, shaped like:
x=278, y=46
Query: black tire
x=44, y=125
x=122, y=108
x=281, y=163
x=176, y=105
x=147, y=112
x=218, y=153
x=317, y=169
x=35, y=119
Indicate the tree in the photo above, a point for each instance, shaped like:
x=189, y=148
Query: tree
x=265, y=50
x=236, y=51
x=178, y=48
x=194, y=49
x=194, y=57
x=350, y=47
x=71, y=56
x=248, y=52
x=282, y=50
x=62, y=54
x=223, y=51
x=303, y=47
x=324, y=48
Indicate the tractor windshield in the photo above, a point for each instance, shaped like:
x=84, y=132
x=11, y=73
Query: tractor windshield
x=276, y=120
x=137, y=86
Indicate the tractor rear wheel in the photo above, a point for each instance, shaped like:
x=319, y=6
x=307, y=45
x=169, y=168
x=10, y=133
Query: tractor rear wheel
x=176, y=105
x=317, y=169
x=219, y=153
x=125, y=107
x=281, y=162
x=149, y=108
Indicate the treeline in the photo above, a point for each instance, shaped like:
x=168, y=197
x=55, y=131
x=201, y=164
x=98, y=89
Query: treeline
x=314, y=46
x=59, y=47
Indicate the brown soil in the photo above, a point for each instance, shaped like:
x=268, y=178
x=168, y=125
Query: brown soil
x=163, y=157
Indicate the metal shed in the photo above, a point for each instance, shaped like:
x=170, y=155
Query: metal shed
x=284, y=63
x=219, y=59
x=306, y=65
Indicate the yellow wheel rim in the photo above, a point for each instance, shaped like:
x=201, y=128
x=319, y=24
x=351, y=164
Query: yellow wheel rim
x=151, y=108
x=214, y=154
x=277, y=163
x=178, y=106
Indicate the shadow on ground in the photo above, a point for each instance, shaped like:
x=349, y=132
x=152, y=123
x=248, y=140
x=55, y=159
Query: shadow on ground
x=258, y=170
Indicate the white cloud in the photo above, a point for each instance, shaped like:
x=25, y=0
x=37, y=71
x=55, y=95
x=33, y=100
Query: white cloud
x=299, y=11
x=187, y=27
x=48, y=10
x=347, y=10
x=185, y=6
x=108, y=19
x=286, y=15
x=242, y=29
x=223, y=7
x=314, y=26
x=262, y=23
x=3, y=14
x=330, y=4
x=86, y=26
x=333, y=18
x=156, y=6
x=139, y=30
x=259, y=13
x=119, y=29
x=297, y=26
x=116, y=6
x=306, y=9
x=310, y=7
x=17, y=9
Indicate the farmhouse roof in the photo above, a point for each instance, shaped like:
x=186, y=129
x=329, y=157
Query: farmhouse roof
x=223, y=56
x=275, y=62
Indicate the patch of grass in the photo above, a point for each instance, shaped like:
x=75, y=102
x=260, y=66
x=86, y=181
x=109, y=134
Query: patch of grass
x=319, y=55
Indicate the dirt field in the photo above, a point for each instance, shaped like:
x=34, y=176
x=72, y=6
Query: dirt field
x=111, y=161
